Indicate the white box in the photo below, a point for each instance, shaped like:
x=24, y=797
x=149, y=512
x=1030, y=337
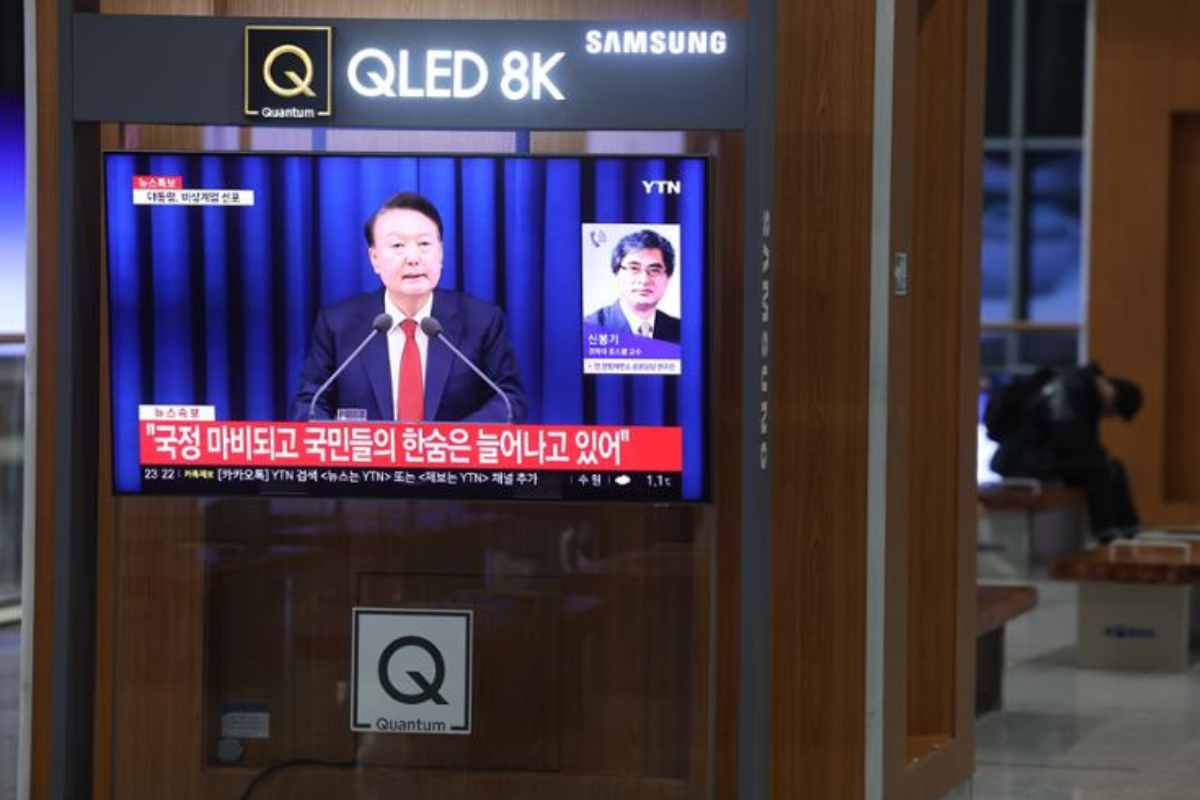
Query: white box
x=1129, y=626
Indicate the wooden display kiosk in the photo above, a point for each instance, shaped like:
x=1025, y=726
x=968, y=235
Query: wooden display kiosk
x=808, y=630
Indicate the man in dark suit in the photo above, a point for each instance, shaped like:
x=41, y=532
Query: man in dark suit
x=643, y=263
x=404, y=375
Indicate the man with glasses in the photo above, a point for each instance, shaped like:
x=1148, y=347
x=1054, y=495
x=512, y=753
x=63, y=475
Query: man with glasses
x=643, y=263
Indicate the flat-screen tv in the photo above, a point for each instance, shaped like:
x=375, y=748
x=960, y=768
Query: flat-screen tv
x=409, y=326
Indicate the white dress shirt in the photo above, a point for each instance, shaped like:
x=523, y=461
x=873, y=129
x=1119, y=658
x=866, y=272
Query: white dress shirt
x=636, y=322
x=395, y=341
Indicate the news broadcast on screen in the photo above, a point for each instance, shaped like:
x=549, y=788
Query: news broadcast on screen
x=409, y=326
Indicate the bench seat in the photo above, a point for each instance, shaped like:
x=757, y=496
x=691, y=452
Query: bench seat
x=995, y=607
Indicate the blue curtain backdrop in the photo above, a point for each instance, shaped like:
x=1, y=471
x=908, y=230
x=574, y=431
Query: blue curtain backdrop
x=215, y=305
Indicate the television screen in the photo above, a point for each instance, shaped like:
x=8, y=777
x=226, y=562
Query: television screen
x=409, y=326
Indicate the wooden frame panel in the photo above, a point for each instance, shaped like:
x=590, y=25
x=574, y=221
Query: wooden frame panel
x=824, y=157
x=1140, y=317
x=821, y=256
x=137, y=564
x=931, y=549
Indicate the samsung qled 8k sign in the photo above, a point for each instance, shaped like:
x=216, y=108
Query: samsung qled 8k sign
x=409, y=326
x=494, y=74
x=518, y=75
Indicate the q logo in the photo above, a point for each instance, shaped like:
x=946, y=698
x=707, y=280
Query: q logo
x=429, y=687
x=287, y=71
x=410, y=670
x=299, y=85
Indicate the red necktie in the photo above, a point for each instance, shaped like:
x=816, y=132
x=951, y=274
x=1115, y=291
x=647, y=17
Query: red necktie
x=410, y=397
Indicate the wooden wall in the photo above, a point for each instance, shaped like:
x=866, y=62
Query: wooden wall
x=1143, y=296
x=932, y=549
x=821, y=261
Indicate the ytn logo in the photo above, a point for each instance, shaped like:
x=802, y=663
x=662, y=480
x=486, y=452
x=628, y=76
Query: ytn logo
x=287, y=71
x=663, y=187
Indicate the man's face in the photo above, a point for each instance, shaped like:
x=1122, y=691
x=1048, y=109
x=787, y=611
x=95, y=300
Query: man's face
x=642, y=279
x=407, y=254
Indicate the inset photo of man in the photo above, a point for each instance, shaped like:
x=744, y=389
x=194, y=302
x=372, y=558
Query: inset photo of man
x=631, y=298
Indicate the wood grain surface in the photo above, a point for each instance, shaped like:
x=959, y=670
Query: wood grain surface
x=820, y=368
x=1142, y=300
x=996, y=605
x=931, y=595
x=1182, y=436
x=1159, y=563
x=1050, y=498
x=44, y=336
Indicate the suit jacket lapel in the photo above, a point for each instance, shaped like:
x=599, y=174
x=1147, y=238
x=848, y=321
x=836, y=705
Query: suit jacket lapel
x=374, y=360
x=619, y=320
x=439, y=356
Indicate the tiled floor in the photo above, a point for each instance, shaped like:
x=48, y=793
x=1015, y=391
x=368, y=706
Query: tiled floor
x=10, y=665
x=1074, y=734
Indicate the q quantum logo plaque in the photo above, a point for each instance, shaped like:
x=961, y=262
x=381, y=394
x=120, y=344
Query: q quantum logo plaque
x=411, y=671
x=288, y=71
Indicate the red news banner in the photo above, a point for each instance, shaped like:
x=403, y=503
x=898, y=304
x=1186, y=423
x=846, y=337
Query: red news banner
x=385, y=445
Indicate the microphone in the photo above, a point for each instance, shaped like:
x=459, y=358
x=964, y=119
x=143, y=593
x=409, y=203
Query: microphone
x=381, y=324
x=433, y=329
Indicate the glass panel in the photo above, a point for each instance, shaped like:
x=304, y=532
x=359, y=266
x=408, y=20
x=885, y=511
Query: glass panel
x=992, y=351
x=12, y=456
x=1052, y=236
x=1048, y=348
x=592, y=672
x=589, y=636
x=1055, y=47
x=997, y=120
x=995, y=288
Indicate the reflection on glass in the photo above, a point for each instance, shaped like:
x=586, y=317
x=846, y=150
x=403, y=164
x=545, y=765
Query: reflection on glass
x=12, y=426
x=1052, y=236
x=992, y=351
x=1054, y=67
x=996, y=293
x=588, y=634
x=593, y=629
x=1049, y=348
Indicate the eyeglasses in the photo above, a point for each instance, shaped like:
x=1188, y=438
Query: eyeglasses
x=636, y=270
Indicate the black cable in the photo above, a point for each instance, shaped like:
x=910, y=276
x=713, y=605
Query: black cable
x=295, y=762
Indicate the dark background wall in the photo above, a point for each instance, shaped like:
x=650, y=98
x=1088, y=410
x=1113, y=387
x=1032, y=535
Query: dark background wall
x=12, y=47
